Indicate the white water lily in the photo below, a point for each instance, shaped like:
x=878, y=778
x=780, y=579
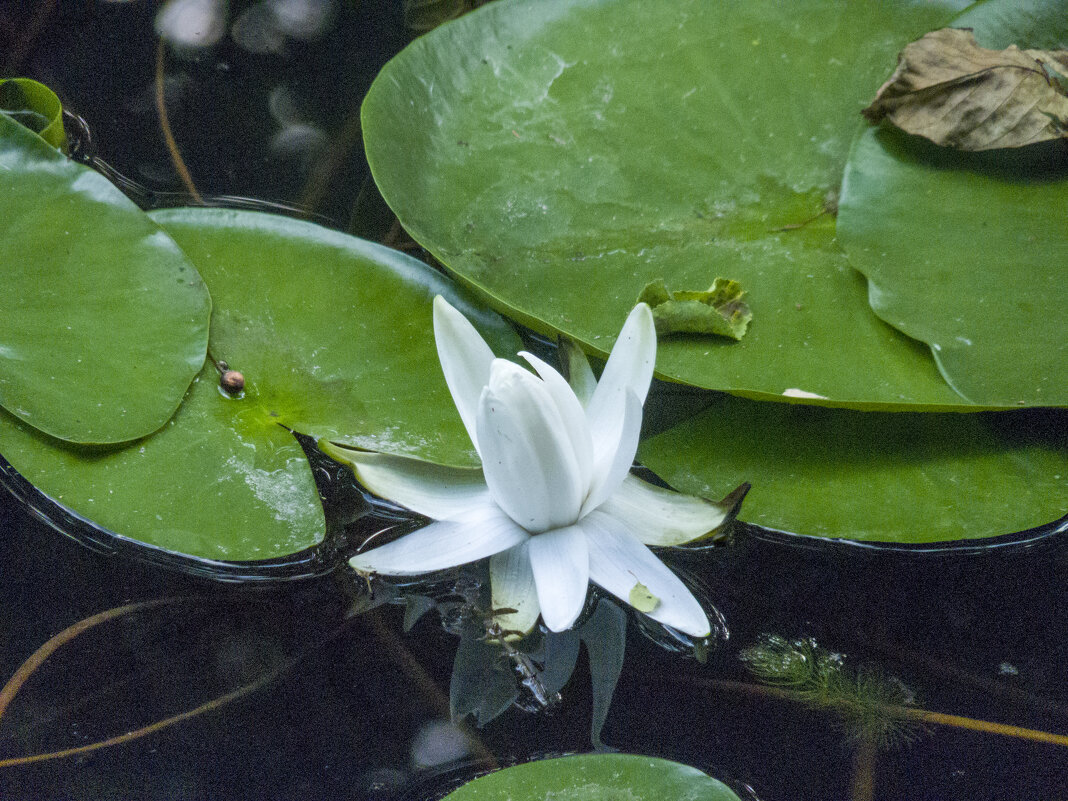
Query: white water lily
x=554, y=505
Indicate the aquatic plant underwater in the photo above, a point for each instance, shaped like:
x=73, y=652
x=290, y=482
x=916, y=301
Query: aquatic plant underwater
x=187, y=379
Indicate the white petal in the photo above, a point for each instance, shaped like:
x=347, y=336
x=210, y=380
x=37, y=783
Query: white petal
x=445, y=543
x=527, y=457
x=579, y=374
x=660, y=516
x=618, y=562
x=560, y=562
x=629, y=366
x=465, y=359
x=609, y=475
x=512, y=583
x=429, y=489
x=571, y=412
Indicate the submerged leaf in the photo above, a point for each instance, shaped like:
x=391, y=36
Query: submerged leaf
x=605, y=637
x=950, y=90
x=482, y=685
x=718, y=310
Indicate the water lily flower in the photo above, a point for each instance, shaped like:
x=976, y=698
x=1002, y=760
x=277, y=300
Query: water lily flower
x=554, y=505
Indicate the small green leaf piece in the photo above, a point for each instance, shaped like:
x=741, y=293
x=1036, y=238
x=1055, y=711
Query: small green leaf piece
x=595, y=777
x=718, y=310
x=34, y=106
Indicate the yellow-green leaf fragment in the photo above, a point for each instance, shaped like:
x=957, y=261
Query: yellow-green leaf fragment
x=719, y=310
x=641, y=599
x=36, y=107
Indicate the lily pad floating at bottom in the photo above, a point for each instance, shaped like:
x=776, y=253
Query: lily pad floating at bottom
x=595, y=777
x=315, y=320
x=898, y=478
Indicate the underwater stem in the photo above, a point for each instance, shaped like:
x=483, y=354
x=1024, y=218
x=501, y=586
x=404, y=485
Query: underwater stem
x=39, y=656
x=168, y=135
x=990, y=727
x=904, y=712
x=862, y=787
x=70, y=633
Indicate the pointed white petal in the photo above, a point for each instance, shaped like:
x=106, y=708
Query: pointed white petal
x=571, y=412
x=560, y=562
x=512, y=584
x=618, y=562
x=465, y=359
x=660, y=516
x=630, y=366
x=445, y=543
x=429, y=489
x=527, y=457
x=609, y=474
x=579, y=374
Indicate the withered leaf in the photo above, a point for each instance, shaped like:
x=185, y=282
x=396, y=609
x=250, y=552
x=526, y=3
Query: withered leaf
x=950, y=90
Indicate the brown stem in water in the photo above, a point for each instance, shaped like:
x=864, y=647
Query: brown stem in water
x=902, y=712
x=68, y=634
x=38, y=658
x=168, y=135
x=862, y=788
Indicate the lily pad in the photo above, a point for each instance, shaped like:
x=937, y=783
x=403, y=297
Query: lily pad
x=103, y=320
x=902, y=478
x=558, y=156
x=966, y=252
x=334, y=337
x=595, y=777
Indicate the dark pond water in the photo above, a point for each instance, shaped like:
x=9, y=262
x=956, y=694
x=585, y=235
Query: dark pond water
x=352, y=708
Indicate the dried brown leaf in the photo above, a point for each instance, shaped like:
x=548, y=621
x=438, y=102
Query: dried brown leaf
x=950, y=90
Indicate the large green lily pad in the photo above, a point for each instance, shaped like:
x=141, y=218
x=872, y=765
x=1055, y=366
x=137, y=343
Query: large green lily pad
x=559, y=155
x=103, y=320
x=595, y=777
x=903, y=478
x=334, y=337
x=967, y=251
